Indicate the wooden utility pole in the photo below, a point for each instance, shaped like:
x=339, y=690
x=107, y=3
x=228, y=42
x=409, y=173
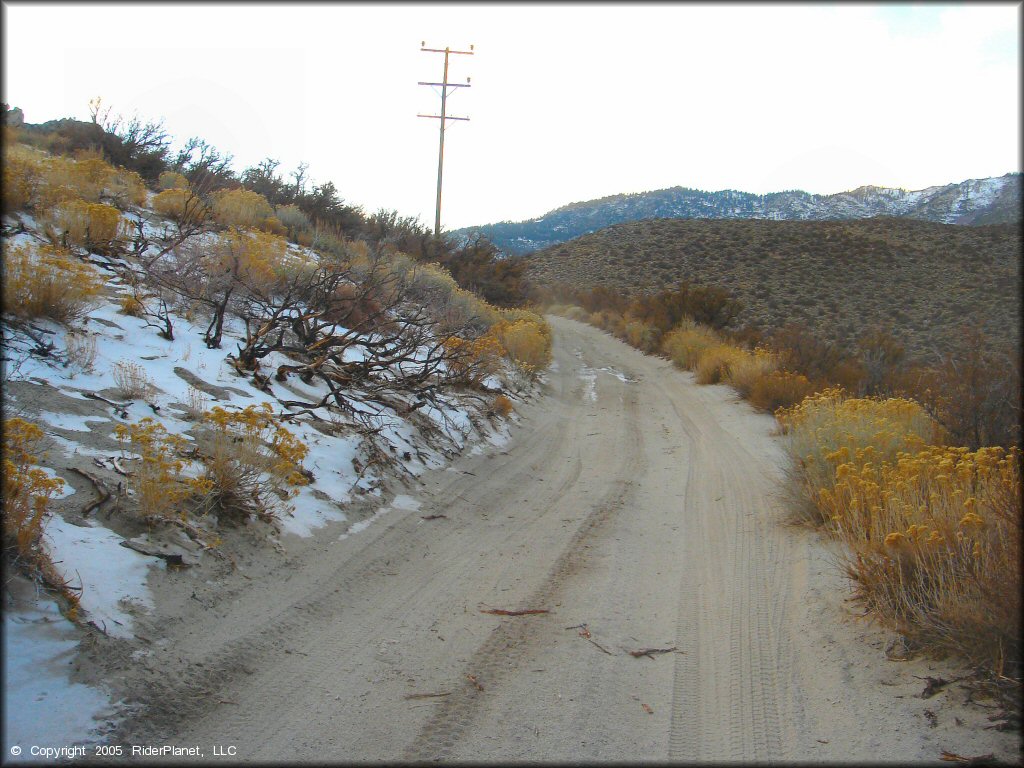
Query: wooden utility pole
x=443, y=117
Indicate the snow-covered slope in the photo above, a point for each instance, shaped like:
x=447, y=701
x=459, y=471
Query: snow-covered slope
x=62, y=379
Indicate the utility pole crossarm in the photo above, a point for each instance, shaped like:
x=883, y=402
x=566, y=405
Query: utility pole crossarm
x=443, y=117
x=448, y=50
x=446, y=117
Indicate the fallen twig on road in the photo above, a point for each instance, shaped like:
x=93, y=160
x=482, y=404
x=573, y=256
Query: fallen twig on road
x=410, y=696
x=474, y=681
x=599, y=646
x=935, y=685
x=649, y=652
x=953, y=757
x=524, y=612
x=432, y=517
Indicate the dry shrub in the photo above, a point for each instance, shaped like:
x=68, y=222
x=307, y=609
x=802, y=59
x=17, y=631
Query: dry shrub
x=356, y=307
x=527, y=342
x=933, y=532
x=131, y=379
x=715, y=363
x=27, y=489
x=81, y=350
x=181, y=205
x=975, y=393
x=253, y=462
x=48, y=282
x=779, y=389
x=126, y=187
x=470, y=362
x=241, y=208
x=273, y=225
x=256, y=259
x=294, y=219
x=88, y=175
x=172, y=180
x=934, y=543
x=131, y=306
x=22, y=174
x=501, y=406
x=196, y=405
x=750, y=368
x=571, y=311
x=158, y=484
x=684, y=345
x=642, y=336
x=90, y=225
x=828, y=429
x=432, y=285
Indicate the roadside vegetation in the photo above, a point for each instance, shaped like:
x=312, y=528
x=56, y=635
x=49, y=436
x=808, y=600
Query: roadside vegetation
x=302, y=292
x=915, y=467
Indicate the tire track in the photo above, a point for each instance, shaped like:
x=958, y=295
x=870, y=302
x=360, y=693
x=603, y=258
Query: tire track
x=510, y=641
x=750, y=589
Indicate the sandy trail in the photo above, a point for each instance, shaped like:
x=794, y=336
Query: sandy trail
x=629, y=500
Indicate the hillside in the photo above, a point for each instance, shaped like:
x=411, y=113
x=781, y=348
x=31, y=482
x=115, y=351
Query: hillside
x=191, y=384
x=975, y=201
x=923, y=279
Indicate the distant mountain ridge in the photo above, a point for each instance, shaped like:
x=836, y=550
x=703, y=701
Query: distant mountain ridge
x=994, y=200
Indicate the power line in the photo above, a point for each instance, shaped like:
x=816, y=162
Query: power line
x=444, y=117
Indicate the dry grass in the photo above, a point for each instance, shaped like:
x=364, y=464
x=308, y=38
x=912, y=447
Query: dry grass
x=131, y=380
x=196, y=405
x=81, y=351
x=779, y=389
x=750, y=369
x=685, y=345
x=715, y=363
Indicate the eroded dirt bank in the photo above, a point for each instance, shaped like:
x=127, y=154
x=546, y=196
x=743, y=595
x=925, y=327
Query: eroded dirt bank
x=641, y=512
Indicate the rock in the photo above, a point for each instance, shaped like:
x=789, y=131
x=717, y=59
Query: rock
x=14, y=117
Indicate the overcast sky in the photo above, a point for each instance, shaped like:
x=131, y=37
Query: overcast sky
x=568, y=102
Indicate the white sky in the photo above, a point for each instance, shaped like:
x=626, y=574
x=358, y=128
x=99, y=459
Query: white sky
x=568, y=102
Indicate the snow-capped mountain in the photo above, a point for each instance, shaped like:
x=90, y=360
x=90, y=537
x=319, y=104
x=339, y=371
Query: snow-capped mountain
x=975, y=201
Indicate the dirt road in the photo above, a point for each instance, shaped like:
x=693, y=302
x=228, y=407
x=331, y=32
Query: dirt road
x=633, y=506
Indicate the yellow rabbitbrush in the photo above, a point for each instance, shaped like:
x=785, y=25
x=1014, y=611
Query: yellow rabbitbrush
x=933, y=532
x=48, y=282
x=253, y=460
x=158, y=483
